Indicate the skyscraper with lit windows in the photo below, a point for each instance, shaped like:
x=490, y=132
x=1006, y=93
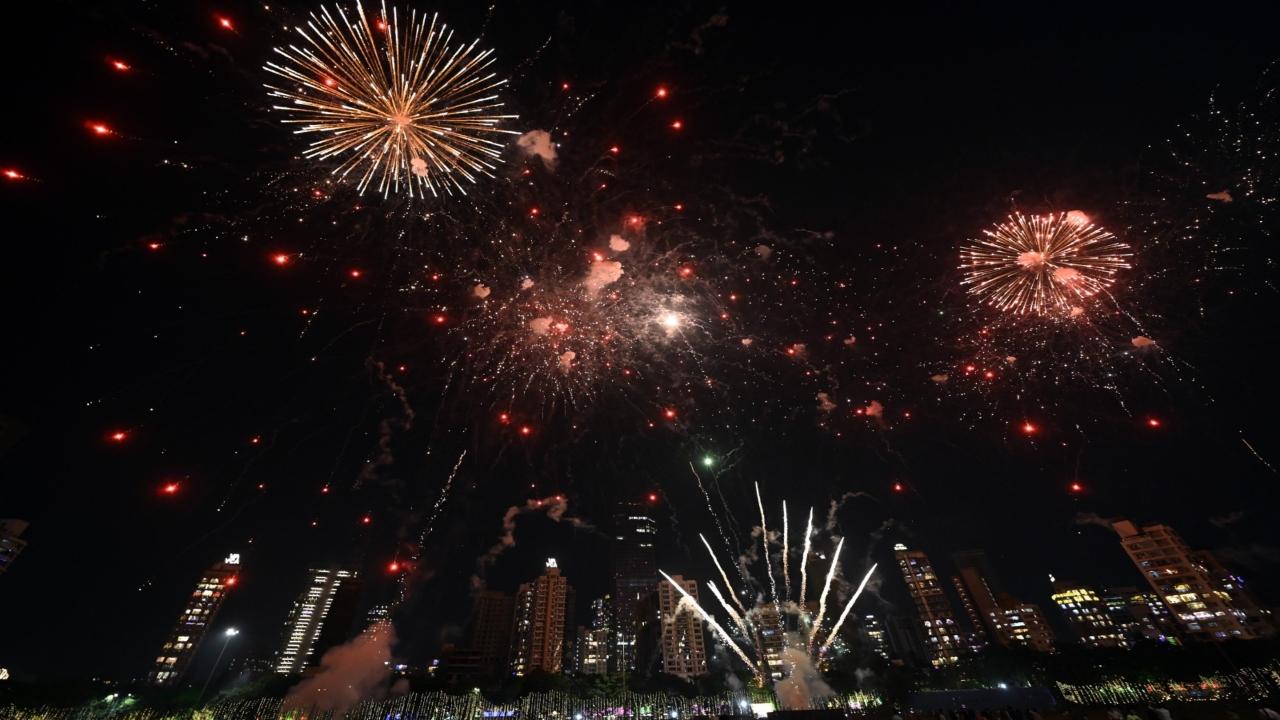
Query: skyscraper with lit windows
x=1088, y=615
x=1208, y=601
x=308, y=616
x=942, y=638
x=635, y=577
x=194, y=622
x=684, y=649
x=540, y=641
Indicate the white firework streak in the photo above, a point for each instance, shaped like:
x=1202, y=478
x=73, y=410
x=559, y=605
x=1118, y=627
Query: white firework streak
x=849, y=606
x=768, y=562
x=711, y=621
x=804, y=558
x=444, y=495
x=728, y=586
x=822, y=599
x=786, y=554
x=738, y=619
x=723, y=537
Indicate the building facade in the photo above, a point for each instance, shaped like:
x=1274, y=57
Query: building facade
x=1208, y=602
x=307, y=618
x=539, y=642
x=1087, y=615
x=684, y=649
x=595, y=641
x=635, y=575
x=489, y=631
x=942, y=639
x=194, y=622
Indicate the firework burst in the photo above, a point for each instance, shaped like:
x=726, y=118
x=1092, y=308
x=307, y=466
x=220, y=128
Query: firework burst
x=396, y=104
x=1045, y=265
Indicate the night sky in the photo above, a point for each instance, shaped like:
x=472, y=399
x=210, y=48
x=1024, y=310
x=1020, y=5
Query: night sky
x=862, y=149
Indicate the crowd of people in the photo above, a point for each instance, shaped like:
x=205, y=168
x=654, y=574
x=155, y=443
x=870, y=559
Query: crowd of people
x=1152, y=711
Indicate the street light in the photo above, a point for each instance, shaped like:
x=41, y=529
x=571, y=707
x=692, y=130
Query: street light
x=227, y=634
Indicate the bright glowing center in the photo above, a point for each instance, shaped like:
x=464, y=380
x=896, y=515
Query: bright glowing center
x=671, y=321
x=1031, y=260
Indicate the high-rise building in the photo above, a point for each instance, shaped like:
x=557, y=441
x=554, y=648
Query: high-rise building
x=1023, y=624
x=942, y=638
x=595, y=641
x=684, y=650
x=1209, y=602
x=771, y=639
x=874, y=635
x=310, y=614
x=977, y=637
x=1087, y=614
x=194, y=622
x=11, y=542
x=1141, y=615
x=539, y=642
x=489, y=634
x=635, y=575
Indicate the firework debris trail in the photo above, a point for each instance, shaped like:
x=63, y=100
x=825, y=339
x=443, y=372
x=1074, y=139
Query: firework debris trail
x=786, y=554
x=804, y=558
x=768, y=562
x=822, y=599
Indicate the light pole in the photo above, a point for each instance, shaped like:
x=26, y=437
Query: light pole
x=228, y=634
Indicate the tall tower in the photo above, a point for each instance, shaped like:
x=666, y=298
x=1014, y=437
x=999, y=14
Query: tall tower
x=1209, y=602
x=1009, y=621
x=307, y=619
x=1088, y=615
x=11, y=542
x=195, y=620
x=540, y=623
x=490, y=633
x=635, y=575
x=594, y=642
x=941, y=635
x=684, y=651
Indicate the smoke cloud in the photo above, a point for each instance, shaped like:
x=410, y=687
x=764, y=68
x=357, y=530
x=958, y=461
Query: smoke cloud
x=537, y=143
x=555, y=507
x=617, y=243
x=804, y=685
x=601, y=274
x=350, y=673
x=824, y=402
x=481, y=291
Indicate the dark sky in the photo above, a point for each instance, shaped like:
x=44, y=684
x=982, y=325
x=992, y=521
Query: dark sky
x=901, y=134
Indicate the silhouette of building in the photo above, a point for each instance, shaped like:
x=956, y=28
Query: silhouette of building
x=194, y=622
x=327, y=603
x=874, y=636
x=635, y=575
x=489, y=631
x=1009, y=621
x=540, y=624
x=1141, y=615
x=1023, y=624
x=11, y=542
x=684, y=650
x=1087, y=615
x=942, y=640
x=1209, y=602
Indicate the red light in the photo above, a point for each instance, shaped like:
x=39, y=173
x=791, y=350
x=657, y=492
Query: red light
x=1028, y=428
x=262, y=486
x=366, y=519
x=153, y=246
x=677, y=125
x=232, y=581
x=1076, y=487
x=323, y=491
x=170, y=488
x=1153, y=422
x=898, y=487
x=402, y=368
x=355, y=273
x=653, y=497
x=969, y=368
x=119, y=436
x=255, y=439
x=526, y=430
x=12, y=174
x=686, y=271
x=564, y=86
x=669, y=413
x=679, y=207
x=534, y=212
x=614, y=149
x=661, y=92
x=633, y=220
x=382, y=24
x=225, y=23
x=119, y=65
x=394, y=567
x=988, y=375
x=100, y=129
x=440, y=319
x=330, y=82
x=504, y=418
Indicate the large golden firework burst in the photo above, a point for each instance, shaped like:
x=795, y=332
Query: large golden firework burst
x=1044, y=265
x=396, y=105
